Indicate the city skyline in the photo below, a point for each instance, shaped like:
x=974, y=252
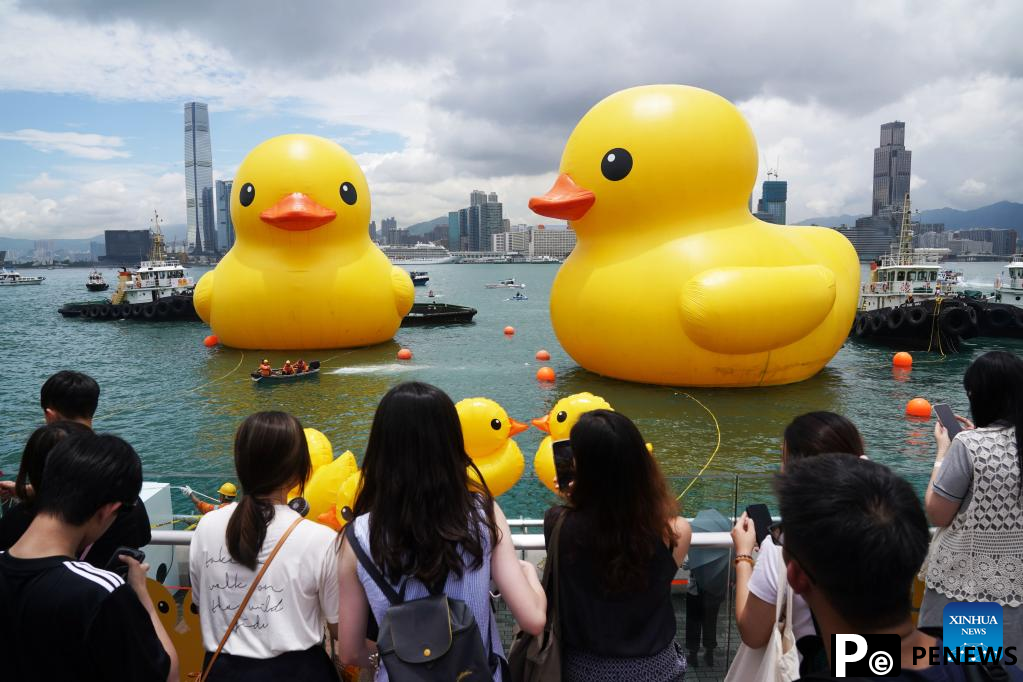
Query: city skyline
x=90, y=136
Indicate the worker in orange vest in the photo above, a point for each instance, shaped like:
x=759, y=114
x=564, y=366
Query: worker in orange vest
x=227, y=492
x=264, y=368
x=300, y=366
x=287, y=368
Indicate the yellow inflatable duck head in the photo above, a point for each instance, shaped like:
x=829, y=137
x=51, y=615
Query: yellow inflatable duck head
x=487, y=431
x=558, y=424
x=299, y=183
x=302, y=273
x=651, y=154
x=672, y=280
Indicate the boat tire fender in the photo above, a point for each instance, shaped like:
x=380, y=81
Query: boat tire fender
x=877, y=320
x=149, y=311
x=916, y=316
x=896, y=319
x=1000, y=318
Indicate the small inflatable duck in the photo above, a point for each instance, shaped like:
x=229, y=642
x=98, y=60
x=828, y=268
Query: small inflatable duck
x=487, y=430
x=558, y=424
x=672, y=281
x=303, y=272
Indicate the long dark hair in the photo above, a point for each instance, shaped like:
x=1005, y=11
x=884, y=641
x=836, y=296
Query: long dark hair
x=994, y=385
x=426, y=510
x=270, y=453
x=620, y=492
x=820, y=433
x=33, y=457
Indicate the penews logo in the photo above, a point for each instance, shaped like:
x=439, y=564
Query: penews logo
x=866, y=655
x=972, y=627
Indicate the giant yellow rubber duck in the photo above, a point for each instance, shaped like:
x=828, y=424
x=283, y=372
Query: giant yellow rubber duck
x=672, y=281
x=558, y=424
x=303, y=272
x=487, y=431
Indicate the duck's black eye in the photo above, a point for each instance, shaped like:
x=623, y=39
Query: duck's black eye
x=616, y=164
x=495, y=424
x=348, y=194
x=561, y=416
x=247, y=194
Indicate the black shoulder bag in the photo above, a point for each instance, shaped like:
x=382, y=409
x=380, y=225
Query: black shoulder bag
x=433, y=638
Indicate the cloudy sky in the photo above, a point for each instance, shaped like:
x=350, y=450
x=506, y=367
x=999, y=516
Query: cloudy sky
x=437, y=98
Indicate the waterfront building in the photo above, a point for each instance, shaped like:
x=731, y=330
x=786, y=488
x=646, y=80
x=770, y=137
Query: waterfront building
x=511, y=242
x=473, y=226
x=373, y=230
x=389, y=230
x=96, y=252
x=225, y=227
x=126, y=247
x=1003, y=242
x=506, y=225
x=551, y=243
x=960, y=247
x=477, y=197
x=490, y=222
x=492, y=198
x=921, y=228
x=198, y=171
x=209, y=223
x=454, y=231
x=870, y=243
x=892, y=162
x=772, y=201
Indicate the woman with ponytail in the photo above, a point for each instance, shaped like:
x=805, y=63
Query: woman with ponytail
x=279, y=634
x=975, y=497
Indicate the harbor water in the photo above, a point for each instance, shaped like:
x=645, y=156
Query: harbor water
x=179, y=403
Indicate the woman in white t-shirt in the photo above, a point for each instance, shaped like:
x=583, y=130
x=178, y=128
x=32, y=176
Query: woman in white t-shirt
x=280, y=632
x=756, y=583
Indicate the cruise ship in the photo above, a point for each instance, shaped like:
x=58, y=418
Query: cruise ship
x=418, y=254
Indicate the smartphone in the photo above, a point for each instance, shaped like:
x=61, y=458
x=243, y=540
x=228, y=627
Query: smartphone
x=119, y=567
x=948, y=419
x=761, y=517
x=564, y=463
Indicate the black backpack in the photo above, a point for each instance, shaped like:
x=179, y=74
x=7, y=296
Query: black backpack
x=433, y=638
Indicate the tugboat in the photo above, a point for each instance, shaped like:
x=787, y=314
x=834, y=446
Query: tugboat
x=13, y=278
x=96, y=282
x=419, y=278
x=159, y=289
x=509, y=283
x=1011, y=291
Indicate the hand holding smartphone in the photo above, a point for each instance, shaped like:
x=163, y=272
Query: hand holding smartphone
x=948, y=419
x=119, y=567
x=761, y=518
x=564, y=463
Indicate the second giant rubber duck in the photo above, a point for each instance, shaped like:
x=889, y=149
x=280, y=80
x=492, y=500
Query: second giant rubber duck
x=303, y=272
x=487, y=431
x=558, y=425
x=672, y=280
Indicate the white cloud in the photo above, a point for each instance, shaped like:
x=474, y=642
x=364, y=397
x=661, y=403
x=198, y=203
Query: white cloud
x=81, y=145
x=486, y=97
x=42, y=182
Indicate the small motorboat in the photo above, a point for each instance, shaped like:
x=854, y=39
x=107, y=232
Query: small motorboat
x=419, y=278
x=430, y=294
x=278, y=375
x=12, y=278
x=519, y=296
x=96, y=282
x=509, y=283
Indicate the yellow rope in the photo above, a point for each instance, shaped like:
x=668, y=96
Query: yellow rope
x=717, y=447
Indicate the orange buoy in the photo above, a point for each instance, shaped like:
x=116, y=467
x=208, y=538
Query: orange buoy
x=918, y=407
x=210, y=341
x=404, y=354
x=543, y=355
x=545, y=374
x=902, y=359
x=509, y=330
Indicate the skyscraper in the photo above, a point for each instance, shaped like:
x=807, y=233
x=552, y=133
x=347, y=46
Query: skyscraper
x=389, y=230
x=772, y=201
x=209, y=222
x=225, y=228
x=373, y=230
x=891, y=170
x=490, y=223
x=477, y=197
x=198, y=170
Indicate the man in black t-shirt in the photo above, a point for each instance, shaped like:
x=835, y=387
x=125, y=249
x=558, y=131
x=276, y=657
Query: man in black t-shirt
x=62, y=619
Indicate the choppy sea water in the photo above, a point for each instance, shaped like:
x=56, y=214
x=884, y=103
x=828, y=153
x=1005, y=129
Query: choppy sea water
x=179, y=403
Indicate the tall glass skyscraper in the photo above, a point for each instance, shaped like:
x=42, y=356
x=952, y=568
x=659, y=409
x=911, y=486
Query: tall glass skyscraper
x=225, y=228
x=772, y=201
x=198, y=175
x=891, y=170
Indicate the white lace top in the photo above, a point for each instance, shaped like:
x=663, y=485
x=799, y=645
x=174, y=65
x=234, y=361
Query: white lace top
x=979, y=556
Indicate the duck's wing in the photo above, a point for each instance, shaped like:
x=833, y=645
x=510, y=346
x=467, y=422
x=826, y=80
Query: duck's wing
x=202, y=296
x=404, y=291
x=740, y=310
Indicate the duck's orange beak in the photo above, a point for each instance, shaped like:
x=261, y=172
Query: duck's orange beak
x=543, y=423
x=565, y=200
x=297, y=212
x=516, y=427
